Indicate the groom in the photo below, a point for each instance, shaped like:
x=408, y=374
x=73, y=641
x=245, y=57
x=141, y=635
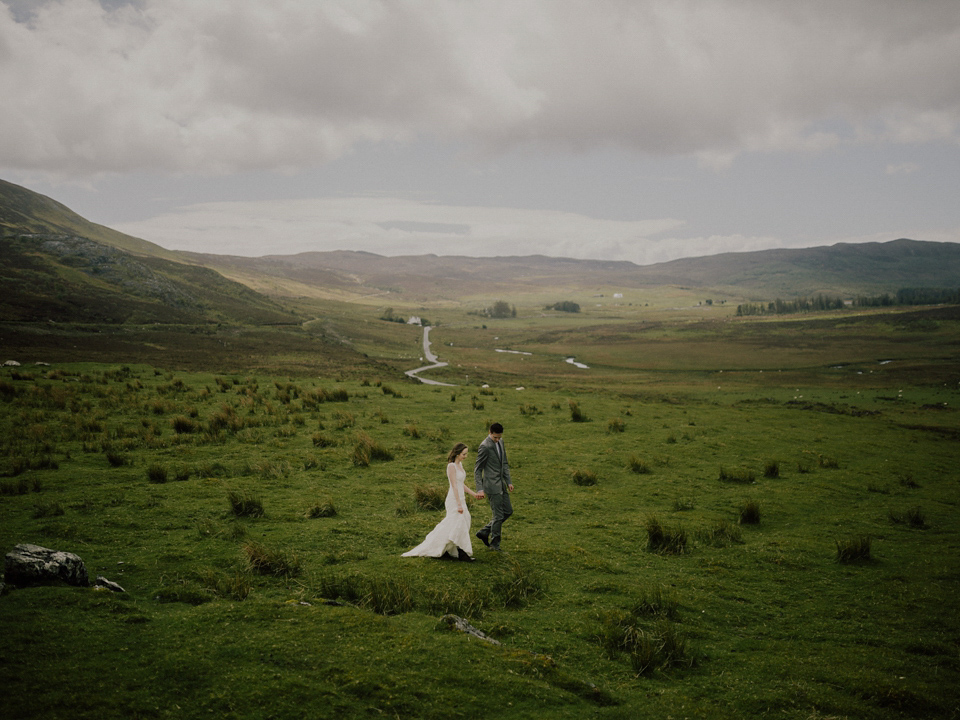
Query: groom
x=492, y=474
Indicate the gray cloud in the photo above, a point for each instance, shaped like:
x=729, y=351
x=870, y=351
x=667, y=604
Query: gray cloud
x=228, y=85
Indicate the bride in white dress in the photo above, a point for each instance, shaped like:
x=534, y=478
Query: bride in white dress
x=452, y=535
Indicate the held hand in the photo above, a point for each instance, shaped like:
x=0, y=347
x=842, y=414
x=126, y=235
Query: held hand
x=460, y=510
x=481, y=495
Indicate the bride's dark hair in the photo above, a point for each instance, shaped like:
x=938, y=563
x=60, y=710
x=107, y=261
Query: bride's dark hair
x=457, y=449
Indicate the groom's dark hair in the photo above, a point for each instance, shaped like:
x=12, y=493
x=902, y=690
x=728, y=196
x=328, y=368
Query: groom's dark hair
x=496, y=428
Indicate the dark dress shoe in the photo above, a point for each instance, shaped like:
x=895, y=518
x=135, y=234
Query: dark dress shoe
x=461, y=555
x=484, y=537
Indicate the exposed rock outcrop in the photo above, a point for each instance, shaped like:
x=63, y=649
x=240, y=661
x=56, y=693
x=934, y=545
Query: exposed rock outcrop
x=35, y=565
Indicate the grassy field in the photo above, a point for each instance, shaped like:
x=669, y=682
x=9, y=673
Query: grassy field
x=697, y=536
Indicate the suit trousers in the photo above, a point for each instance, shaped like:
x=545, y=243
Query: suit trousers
x=502, y=508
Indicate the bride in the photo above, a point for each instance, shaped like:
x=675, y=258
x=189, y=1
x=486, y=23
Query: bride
x=452, y=535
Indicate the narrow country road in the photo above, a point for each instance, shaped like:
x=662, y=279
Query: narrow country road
x=431, y=358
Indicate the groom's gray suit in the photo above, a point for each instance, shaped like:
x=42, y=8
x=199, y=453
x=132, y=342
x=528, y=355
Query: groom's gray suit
x=492, y=474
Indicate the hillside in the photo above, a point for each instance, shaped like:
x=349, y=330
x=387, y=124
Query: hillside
x=347, y=276
x=57, y=266
x=845, y=269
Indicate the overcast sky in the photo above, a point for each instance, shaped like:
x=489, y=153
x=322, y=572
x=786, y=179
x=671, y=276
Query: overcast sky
x=638, y=130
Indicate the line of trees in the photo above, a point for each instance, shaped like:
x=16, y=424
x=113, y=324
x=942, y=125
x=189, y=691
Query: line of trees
x=787, y=307
x=912, y=296
x=564, y=306
x=904, y=296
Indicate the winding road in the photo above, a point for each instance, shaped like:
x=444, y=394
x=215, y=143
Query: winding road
x=431, y=358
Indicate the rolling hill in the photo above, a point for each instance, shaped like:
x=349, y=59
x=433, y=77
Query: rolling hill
x=57, y=266
x=844, y=269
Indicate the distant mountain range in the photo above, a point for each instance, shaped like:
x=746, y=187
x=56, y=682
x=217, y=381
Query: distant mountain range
x=57, y=265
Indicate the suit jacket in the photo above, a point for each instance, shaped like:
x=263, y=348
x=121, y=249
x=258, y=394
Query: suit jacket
x=491, y=475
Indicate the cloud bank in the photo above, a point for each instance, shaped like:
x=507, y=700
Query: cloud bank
x=224, y=86
x=388, y=226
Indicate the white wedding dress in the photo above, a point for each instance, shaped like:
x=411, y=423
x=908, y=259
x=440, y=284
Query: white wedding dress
x=454, y=530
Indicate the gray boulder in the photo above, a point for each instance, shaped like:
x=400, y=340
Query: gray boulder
x=35, y=565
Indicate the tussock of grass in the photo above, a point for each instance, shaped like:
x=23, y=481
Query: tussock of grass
x=854, y=549
x=576, y=414
x=265, y=560
x=157, y=473
x=828, y=462
x=913, y=517
x=649, y=633
x=739, y=475
x=322, y=509
x=584, y=478
x=750, y=513
x=367, y=450
x=720, y=535
x=430, y=497
x=665, y=540
x=638, y=465
x=245, y=504
x=616, y=425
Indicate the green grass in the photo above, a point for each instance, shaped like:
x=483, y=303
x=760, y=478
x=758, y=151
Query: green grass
x=264, y=576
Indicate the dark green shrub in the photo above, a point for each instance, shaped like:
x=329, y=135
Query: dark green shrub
x=771, y=469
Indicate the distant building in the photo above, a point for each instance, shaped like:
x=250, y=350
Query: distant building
x=414, y=320
x=618, y=295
